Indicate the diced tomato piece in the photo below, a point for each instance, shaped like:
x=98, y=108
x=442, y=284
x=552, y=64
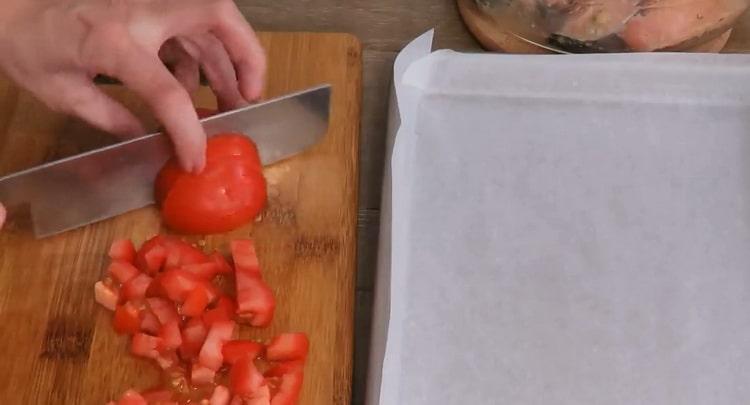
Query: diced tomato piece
x=262, y=397
x=255, y=301
x=245, y=379
x=123, y=250
x=237, y=400
x=156, y=289
x=145, y=345
x=178, y=284
x=234, y=350
x=201, y=375
x=223, y=311
x=149, y=322
x=142, y=263
x=221, y=396
x=289, y=389
x=288, y=346
x=286, y=367
x=193, y=336
x=154, y=259
x=213, y=291
x=206, y=271
x=180, y=253
x=167, y=359
x=158, y=395
x=122, y=271
x=135, y=289
x=196, y=302
x=245, y=257
x=171, y=335
x=127, y=319
x=131, y=397
x=106, y=295
x=223, y=266
x=210, y=354
x=164, y=310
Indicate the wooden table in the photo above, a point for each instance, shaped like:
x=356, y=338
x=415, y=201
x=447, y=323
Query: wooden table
x=384, y=27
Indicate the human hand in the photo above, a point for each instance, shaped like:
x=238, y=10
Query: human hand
x=55, y=48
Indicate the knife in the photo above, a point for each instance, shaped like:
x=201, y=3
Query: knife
x=103, y=183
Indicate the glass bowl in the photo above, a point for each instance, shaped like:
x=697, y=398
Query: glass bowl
x=586, y=26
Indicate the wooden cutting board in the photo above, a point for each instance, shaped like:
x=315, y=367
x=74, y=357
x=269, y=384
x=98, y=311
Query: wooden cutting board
x=58, y=347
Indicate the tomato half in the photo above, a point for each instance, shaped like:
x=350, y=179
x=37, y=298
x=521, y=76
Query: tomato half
x=230, y=192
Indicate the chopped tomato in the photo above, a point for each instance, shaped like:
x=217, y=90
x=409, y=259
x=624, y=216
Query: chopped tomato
x=255, y=301
x=288, y=346
x=289, y=389
x=196, y=302
x=166, y=359
x=222, y=265
x=127, y=319
x=237, y=400
x=136, y=288
x=244, y=377
x=106, y=295
x=154, y=259
x=262, y=397
x=171, y=335
x=122, y=271
x=201, y=375
x=164, y=310
x=230, y=192
x=145, y=345
x=149, y=322
x=206, y=271
x=223, y=311
x=234, y=350
x=221, y=396
x=193, y=336
x=157, y=395
x=210, y=354
x=122, y=250
x=178, y=284
x=286, y=367
x=131, y=397
x=245, y=257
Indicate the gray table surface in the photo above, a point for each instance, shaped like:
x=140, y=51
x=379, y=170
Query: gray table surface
x=384, y=27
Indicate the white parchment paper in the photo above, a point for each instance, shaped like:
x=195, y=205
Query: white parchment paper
x=565, y=230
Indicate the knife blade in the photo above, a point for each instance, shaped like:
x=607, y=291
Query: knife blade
x=103, y=183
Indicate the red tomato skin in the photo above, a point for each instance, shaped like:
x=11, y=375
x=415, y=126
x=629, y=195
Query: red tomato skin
x=123, y=250
x=144, y=345
x=127, y=319
x=178, y=283
x=154, y=259
x=235, y=350
x=245, y=257
x=149, y=322
x=289, y=389
x=195, y=302
x=245, y=379
x=288, y=346
x=193, y=336
x=131, y=397
x=206, y=271
x=147, y=246
x=255, y=301
x=164, y=310
x=136, y=288
x=122, y=271
x=171, y=335
x=230, y=192
x=223, y=311
x=210, y=354
x=221, y=396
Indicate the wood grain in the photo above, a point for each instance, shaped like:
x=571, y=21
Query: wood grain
x=58, y=346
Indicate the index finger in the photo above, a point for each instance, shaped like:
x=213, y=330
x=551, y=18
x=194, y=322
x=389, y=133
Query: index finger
x=170, y=103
